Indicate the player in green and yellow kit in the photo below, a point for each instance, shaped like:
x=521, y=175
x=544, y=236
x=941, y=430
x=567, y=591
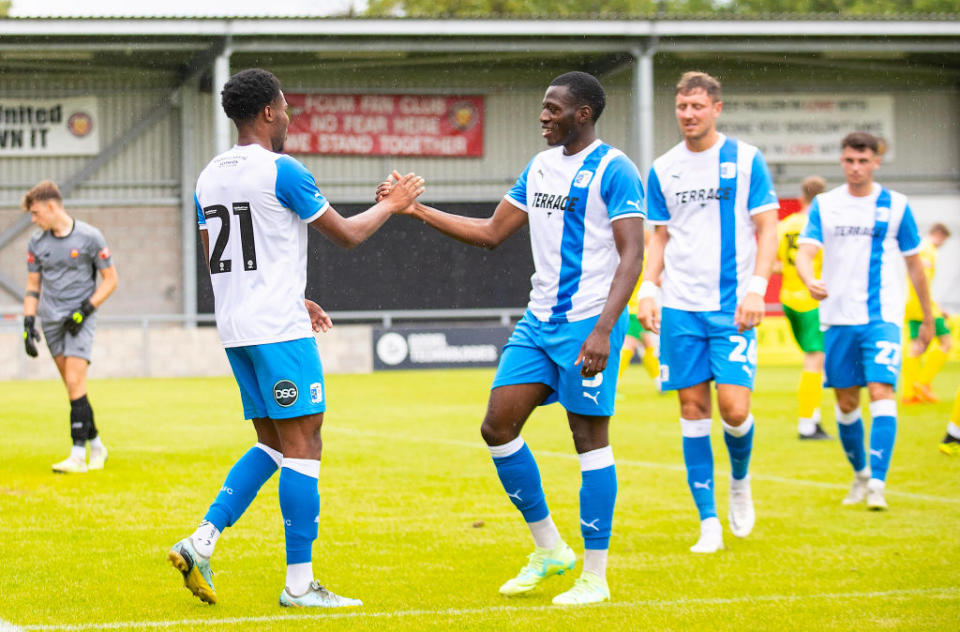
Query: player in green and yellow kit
x=637, y=338
x=919, y=370
x=802, y=313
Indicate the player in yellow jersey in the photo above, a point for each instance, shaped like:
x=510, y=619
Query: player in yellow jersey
x=637, y=338
x=802, y=313
x=951, y=441
x=920, y=369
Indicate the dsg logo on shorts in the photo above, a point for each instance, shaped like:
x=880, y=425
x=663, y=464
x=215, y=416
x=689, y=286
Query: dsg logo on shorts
x=285, y=393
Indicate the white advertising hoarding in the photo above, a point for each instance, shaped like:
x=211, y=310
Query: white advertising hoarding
x=796, y=128
x=49, y=127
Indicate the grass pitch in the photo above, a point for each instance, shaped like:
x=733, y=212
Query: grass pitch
x=405, y=479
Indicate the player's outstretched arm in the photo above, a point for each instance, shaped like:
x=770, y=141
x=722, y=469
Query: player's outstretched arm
x=648, y=312
x=805, y=255
x=482, y=232
x=919, y=280
x=628, y=236
x=751, y=310
x=349, y=232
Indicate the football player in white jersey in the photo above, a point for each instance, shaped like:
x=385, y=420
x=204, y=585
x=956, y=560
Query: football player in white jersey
x=253, y=207
x=863, y=229
x=583, y=201
x=714, y=208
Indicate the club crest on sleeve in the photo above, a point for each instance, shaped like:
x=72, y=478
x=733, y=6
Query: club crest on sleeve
x=285, y=393
x=105, y=253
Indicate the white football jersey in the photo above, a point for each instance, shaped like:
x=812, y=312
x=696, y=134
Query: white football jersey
x=707, y=200
x=570, y=202
x=864, y=240
x=255, y=206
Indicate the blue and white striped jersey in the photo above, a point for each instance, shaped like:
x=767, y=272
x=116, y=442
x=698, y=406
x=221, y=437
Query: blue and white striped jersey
x=255, y=206
x=706, y=200
x=863, y=241
x=571, y=202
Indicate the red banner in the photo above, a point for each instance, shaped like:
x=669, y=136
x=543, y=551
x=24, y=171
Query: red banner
x=385, y=125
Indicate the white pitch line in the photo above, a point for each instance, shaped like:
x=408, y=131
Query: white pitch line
x=8, y=627
x=676, y=467
x=321, y=615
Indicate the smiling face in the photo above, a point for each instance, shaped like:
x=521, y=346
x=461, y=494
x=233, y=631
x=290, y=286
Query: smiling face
x=858, y=166
x=561, y=119
x=697, y=114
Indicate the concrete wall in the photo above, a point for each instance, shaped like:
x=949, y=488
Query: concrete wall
x=172, y=351
x=146, y=247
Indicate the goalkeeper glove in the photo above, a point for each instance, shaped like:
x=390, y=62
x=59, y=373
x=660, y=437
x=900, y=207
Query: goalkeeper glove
x=74, y=322
x=30, y=335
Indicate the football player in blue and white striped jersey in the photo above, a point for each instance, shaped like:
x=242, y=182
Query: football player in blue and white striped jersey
x=583, y=201
x=253, y=208
x=713, y=204
x=864, y=230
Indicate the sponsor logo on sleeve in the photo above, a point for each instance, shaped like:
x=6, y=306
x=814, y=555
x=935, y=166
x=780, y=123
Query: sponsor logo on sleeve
x=105, y=253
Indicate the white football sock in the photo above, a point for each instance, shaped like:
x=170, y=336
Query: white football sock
x=96, y=442
x=299, y=577
x=204, y=539
x=595, y=561
x=953, y=430
x=545, y=534
x=79, y=452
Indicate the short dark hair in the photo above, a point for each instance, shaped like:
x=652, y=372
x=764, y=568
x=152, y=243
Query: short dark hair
x=695, y=80
x=586, y=90
x=248, y=92
x=43, y=191
x=861, y=141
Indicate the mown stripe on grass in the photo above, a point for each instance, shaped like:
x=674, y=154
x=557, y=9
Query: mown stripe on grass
x=457, y=612
x=677, y=467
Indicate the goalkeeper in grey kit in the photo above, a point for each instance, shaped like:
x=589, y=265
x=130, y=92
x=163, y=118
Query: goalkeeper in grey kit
x=62, y=263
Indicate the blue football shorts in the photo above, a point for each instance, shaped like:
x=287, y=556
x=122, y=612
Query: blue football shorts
x=699, y=346
x=858, y=354
x=544, y=353
x=279, y=380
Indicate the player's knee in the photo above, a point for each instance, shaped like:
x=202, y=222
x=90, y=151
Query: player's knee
x=496, y=433
x=735, y=415
x=694, y=410
x=878, y=391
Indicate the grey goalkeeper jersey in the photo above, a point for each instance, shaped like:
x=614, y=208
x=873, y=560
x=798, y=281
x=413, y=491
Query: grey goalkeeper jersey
x=68, y=267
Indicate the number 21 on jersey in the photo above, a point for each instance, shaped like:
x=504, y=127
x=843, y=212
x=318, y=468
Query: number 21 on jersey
x=247, y=243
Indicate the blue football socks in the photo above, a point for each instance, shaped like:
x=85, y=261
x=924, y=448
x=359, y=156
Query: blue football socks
x=698, y=457
x=883, y=433
x=520, y=477
x=598, y=494
x=300, y=506
x=850, y=429
x=739, y=440
x=244, y=480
